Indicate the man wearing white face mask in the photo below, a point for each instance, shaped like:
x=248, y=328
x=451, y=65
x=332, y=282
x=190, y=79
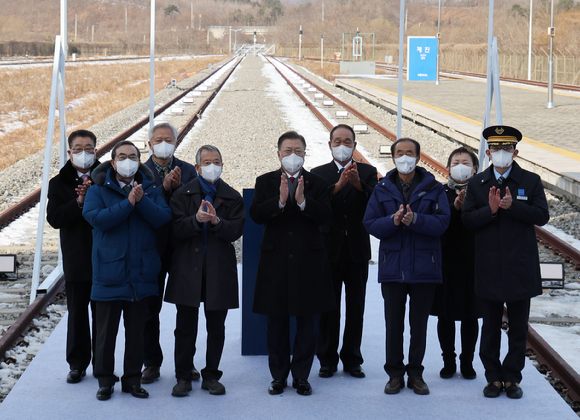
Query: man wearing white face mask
x=66, y=196
x=293, y=278
x=502, y=205
x=408, y=212
x=349, y=252
x=208, y=216
x=169, y=173
x=125, y=207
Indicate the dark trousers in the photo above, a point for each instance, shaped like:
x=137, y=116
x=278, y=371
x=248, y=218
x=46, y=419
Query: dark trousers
x=107, y=320
x=446, y=334
x=489, y=349
x=186, y=334
x=354, y=277
x=79, y=339
x=278, y=338
x=153, y=355
x=395, y=297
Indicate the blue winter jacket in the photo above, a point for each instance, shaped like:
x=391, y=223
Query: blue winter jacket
x=408, y=254
x=125, y=259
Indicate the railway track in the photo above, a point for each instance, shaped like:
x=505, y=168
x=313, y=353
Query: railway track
x=549, y=361
x=18, y=295
x=564, y=379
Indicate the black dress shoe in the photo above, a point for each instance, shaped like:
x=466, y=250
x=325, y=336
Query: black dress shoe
x=513, y=390
x=492, y=389
x=75, y=376
x=104, y=393
x=150, y=374
x=467, y=370
x=418, y=385
x=195, y=374
x=355, y=371
x=326, y=371
x=182, y=388
x=214, y=387
x=302, y=386
x=394, y=385
x=277, y=386
x=136, y=390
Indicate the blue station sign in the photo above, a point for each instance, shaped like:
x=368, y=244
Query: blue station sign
x=422, y=58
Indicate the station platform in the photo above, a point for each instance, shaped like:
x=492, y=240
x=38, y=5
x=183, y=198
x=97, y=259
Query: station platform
x=455, y=108
x=42, y=391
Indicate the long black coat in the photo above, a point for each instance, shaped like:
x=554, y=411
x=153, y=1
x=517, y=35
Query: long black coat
x=507, y=264
x=185, y=275
x=76, y=234
x=293, y=271
x=455, y=298
x=188, y=174
x=348, y=209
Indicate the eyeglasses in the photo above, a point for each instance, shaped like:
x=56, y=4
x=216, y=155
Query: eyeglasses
x=88, y=149
x=288, y=152
x=123, y=156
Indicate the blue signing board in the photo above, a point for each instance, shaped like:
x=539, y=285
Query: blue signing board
x=422, y=57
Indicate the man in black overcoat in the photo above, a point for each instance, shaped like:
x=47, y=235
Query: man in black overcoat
x=169, y=173
x=66, y=196
x=349, y=252
x=293, y=278
x=502, y=205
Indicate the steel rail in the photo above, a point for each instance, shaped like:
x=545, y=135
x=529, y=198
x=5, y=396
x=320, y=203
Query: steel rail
x=567, y=381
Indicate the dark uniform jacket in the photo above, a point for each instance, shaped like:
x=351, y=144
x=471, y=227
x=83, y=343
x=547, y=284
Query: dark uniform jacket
x=348, y=208
x=63, y=212
x=293, y=271
x=507, y=265
x=188, y=173
x=184, y=286
x=455, y=298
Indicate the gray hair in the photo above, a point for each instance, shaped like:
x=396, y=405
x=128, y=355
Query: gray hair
x=163, y=125
x=209, y=149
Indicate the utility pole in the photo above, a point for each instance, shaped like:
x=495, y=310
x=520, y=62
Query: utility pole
x=300, y=45
x=93, y=34
x=192, y=22
x=438, y=41
x=321, y=51
x=64, y=26
x=200, y=22
x=230, y=40
x=126, y=20
x=75, y=28
x=552, y=33
x=530, y=43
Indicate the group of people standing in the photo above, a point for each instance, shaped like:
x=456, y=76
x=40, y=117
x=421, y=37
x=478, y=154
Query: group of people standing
x=451, y=249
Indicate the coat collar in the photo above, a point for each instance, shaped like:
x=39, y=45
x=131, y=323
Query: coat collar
x=99, y=175
x=515, y=174
x=69, y=172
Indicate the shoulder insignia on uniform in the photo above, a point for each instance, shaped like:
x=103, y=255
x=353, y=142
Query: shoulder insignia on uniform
x=499, y=130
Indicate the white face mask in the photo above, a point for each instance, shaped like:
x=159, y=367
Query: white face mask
x=83, y=159
x=163, y=150
x=292, y=163
x=342, y=153
x=211, y=172
x=461, y=173
x=502, y=159
x=405, y=164
x=127, y=168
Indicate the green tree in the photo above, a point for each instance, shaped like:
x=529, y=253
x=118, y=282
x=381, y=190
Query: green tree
x=518, y=10
x=171, y=10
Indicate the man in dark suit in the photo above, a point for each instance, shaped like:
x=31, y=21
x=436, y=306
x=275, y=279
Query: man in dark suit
x=169, y=173
x=66, y=197
x=349, y=252
x=293, y=272
x=502, y=205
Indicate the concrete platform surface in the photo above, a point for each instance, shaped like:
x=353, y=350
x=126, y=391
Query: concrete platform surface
x=42, y=391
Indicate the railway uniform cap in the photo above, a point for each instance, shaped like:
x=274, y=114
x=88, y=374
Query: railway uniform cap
x=501, y=135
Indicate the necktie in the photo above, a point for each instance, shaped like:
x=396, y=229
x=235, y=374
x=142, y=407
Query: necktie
x=127, y=188
x=341, y=170
x=292, y=179
x=500, y=180
x=406, y=188
x=164, y=172
x=84, y=178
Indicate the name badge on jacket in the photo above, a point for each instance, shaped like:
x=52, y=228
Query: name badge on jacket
x=522, y=195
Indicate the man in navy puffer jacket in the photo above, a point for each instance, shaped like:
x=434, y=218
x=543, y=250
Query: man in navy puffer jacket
x=407, y=211
x=124, y=206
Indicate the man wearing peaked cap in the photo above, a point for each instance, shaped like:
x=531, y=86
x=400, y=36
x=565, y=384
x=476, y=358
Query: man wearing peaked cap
x=504, y=202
